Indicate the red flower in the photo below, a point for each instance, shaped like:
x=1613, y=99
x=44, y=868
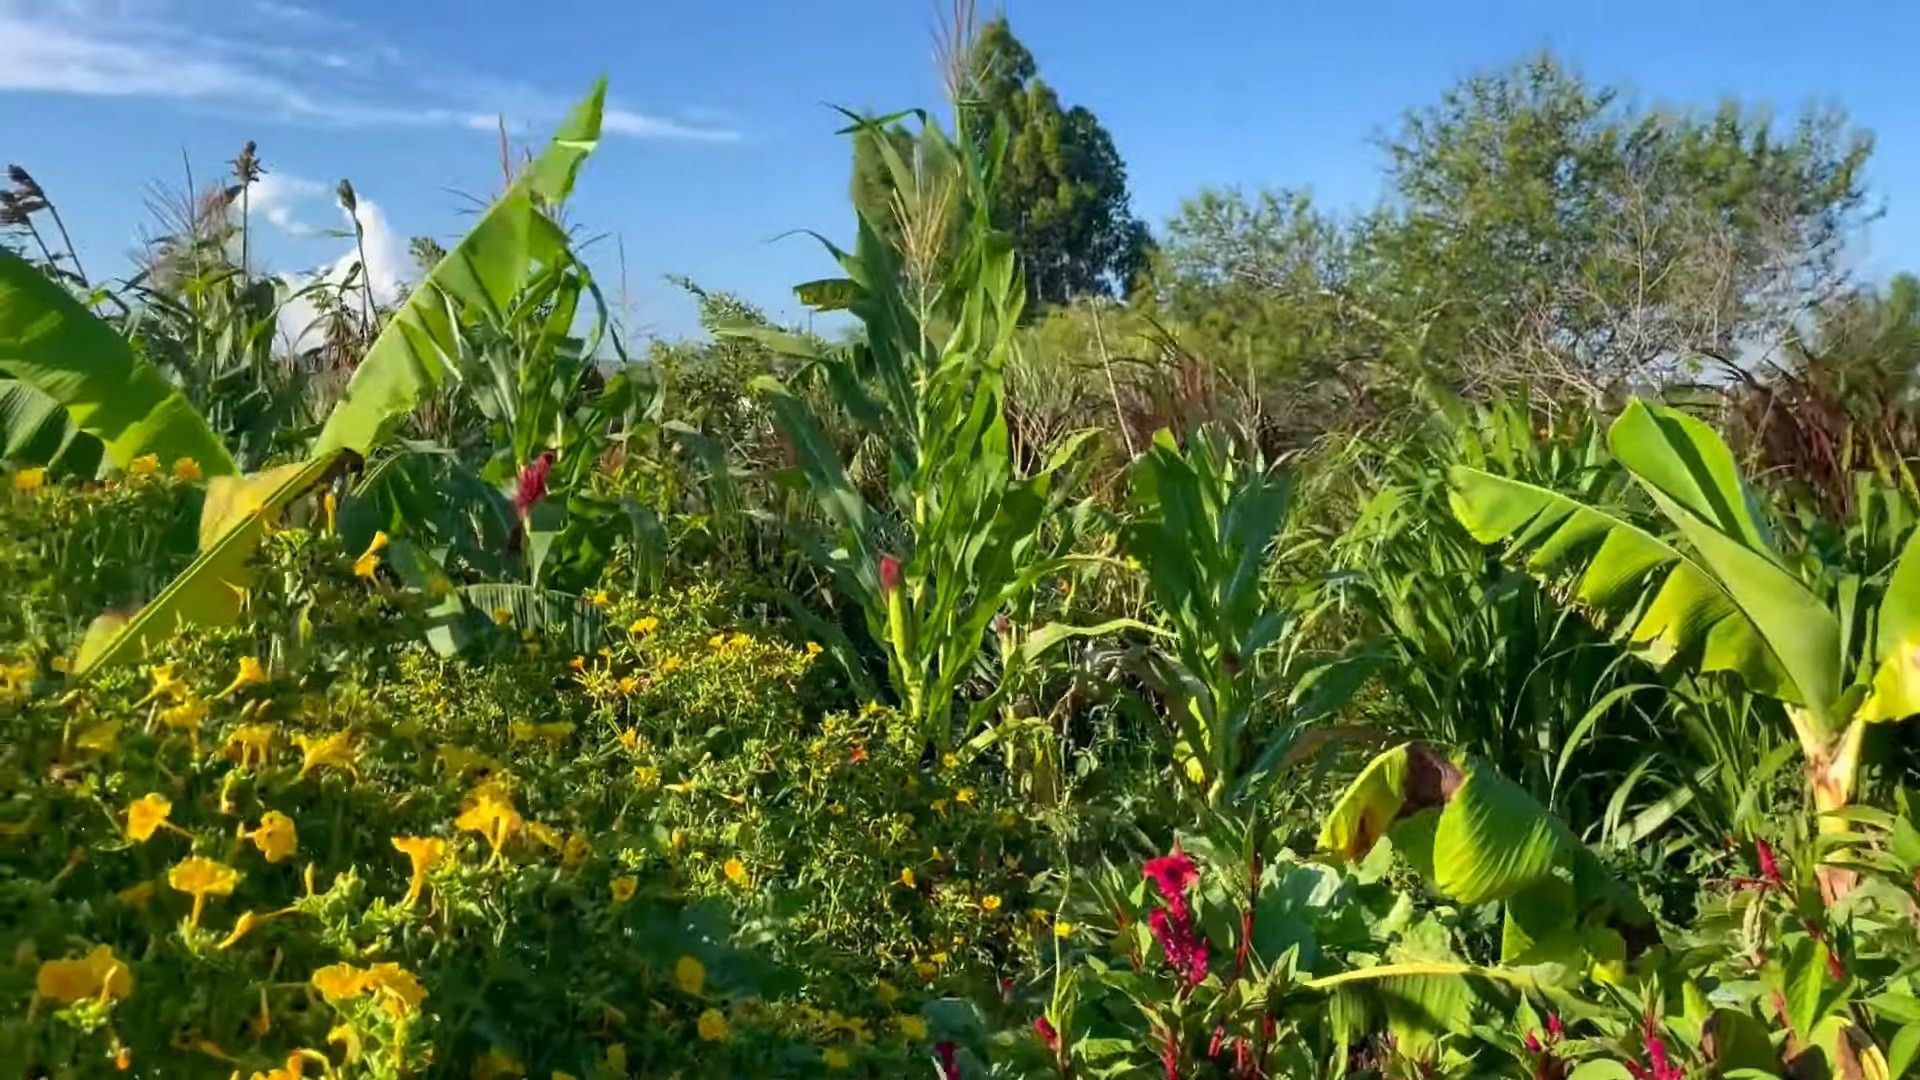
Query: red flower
x=1186, y=951
x=1213, y=1046
x=1044, y=1028
x=949, y=1065
x=1554, y=1031
x=1172, y=874
x=1170, y=1055
x=1769, y=867
x=533, y=483
x=1533, y=1043
x=889, y=573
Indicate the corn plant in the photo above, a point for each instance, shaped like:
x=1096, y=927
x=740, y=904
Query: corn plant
x=939, y=309
x=1713, y=594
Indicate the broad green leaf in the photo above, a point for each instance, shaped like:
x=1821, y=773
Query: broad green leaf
x=1418, y=1002
x=210, y=590
x=1684, y=459
x=1493, y=840
x=1614, y=565
x=1896, y=683
x=35, y=430
x=1903, y=1052
x=50, y=341
x=415, y=351
x=1368, y=808
x=1600, y=1070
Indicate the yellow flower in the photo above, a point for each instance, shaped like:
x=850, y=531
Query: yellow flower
x=886, y=992
x=144, y=465
x=29, y=480
x=369, y=561
x=186, y=470
x=398, y=991
x=575, y=850
x=991, y=902
x=835, y=1058
x=647, y=777
x=643, y=626
x=670, y=665
x=276, y=837
x=925, y=970
x=501, y=616
x=912, y=1027
x=599, y=598
x=460, y=761
x=424, y=853
x=185, y=716
x=497, y=1064
x=1007, y=819
x=630, y=739
x=738, y=641
x=950, y=761
x=906, y=877
x=340, y=982
x=491, y=814
x=736, y=872
x=712, y=1026
x=252, y=673
x=164, y=685
x=97, y=974
x=248, y=744
x=939, y=959
x=136, y=895
x=813, y=649
x=320, y=751
x=627, y=685
x=718, y=641
x=623, y=888
x=242, y=926
x=201, y=877
x=145, y=814
x=1063, y=929
x=964, y=796
x=331, y=506
x=938, y=806
x=689, y=974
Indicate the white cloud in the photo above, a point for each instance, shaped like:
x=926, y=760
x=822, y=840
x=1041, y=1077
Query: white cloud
x=275, y=195
x=389, y=270
x=274, y=58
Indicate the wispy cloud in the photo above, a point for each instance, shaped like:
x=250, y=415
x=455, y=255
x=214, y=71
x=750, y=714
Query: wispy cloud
x=279, y=59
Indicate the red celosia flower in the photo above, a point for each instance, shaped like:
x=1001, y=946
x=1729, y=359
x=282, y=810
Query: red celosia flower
x=1554, y=1031
x=1172, y=874
x=1170, y=1055
x=949, y=1064
x=1218, y=1040
x=1044, y=1028
x=889, y=573
x=1533, y=1043
x=1186, y=951
x=1769, y=867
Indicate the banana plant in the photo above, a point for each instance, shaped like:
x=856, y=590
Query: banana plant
x=412, y=356
x=1479, y=838
x=1711, y=593
x=1204, y=522
x=926, y=381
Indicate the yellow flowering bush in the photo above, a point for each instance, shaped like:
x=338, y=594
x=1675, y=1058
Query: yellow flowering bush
x=328, y=849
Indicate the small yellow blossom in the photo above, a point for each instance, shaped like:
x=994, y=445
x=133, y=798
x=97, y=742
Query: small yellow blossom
x=186, y=470
x=671, y=664
x=339, y=982
x=144, y=465
x=501, y=616
x=242, y=926
x=991, y=902
x=490, y=812
x=813, y=649
x=906, y=877
x=950, y=761
x=736, y=872
x=185, y=716
x=623, y=888
x=939, y=959
x=835, y=1058
x=738, y=641
x=29, y=480
x=712, y=1026
x=321, y=751
x=396, y=988
x=886, y=992
x=146, y=814
x=643, y=626
x=1063, y=929
x=137, y=895
x=628, y=685
x=630, y=739
x=276, y=837
x=575, y=850
x=689, y=974
x=369, y=561
x=964, y=796
x=925, y=970
x=646, y=777
x=599, y=598
x=248, y=744
x=98, y=974
x=252, y=673
x=459, y=761
x=938, y=806
x=201, y=877
x=912, y=1027
x=424, y=853
x=165, y=685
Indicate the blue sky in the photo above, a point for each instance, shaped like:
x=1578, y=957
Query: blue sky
x=722, y=138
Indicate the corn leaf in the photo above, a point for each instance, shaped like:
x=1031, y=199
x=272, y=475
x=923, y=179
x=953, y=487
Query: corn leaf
x=414, y=353
x=51, y=342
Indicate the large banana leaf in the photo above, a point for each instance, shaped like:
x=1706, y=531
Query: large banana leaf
x=52, y=342
x=237, y=514
x=35, y=430
x=1613, y=563
x=1480, y=838
x=415, y=351
x=1896, y=682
